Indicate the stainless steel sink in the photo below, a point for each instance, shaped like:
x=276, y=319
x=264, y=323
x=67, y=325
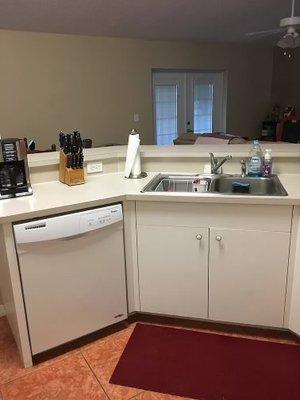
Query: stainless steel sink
x=255, y=186
x=218, y=184
x=178, y=183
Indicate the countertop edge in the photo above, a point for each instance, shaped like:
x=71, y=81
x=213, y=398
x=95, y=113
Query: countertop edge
x=96, y=193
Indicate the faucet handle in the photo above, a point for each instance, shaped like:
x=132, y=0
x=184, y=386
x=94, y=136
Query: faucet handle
x=244, y=167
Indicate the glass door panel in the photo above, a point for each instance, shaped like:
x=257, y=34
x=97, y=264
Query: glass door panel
x=203, y=107
x=205, y=102
x=166, y=113
x=168, y=106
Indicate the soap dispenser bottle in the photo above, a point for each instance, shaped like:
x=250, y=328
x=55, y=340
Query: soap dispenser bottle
x=267, y=163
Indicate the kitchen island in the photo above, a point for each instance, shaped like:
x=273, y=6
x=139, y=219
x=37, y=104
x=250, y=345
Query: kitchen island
x=178, y=243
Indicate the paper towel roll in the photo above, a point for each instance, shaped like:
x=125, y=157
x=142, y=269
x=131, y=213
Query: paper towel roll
x=133, y=156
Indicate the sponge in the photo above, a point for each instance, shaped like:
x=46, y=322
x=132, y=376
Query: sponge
x=240, y=187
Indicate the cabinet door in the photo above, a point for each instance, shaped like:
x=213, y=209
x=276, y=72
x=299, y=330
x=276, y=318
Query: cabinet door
x=173, y=270
x=247, y=276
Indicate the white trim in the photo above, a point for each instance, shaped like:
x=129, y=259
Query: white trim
x=2, y=310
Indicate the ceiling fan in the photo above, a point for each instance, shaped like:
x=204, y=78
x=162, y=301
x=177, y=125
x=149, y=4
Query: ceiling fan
x=290, y=25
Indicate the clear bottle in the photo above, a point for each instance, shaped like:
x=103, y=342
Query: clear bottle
x=267, y=163
x=255, y=160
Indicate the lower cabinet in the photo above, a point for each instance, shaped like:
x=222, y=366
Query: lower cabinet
x=247, y=276
x=173, y=270
x=233, y=269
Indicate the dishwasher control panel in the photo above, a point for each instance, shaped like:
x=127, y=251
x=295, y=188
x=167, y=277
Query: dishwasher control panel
x=67, y=225
x=100, y=218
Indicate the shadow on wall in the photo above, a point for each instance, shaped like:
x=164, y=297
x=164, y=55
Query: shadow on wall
x=286, y=79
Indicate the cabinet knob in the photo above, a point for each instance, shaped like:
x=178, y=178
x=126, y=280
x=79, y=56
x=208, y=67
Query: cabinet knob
x=199, y=237
x=218, y=238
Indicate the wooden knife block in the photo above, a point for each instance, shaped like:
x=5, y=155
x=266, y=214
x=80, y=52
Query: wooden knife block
x=69, y=176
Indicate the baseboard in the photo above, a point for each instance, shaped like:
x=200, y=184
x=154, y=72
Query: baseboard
x=164, y=320
x=2, y=310
x=222, y=327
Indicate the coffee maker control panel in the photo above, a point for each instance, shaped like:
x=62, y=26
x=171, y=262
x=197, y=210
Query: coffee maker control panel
x=9, y=151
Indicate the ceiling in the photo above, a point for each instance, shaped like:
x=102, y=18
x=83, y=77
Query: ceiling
x=201, y=20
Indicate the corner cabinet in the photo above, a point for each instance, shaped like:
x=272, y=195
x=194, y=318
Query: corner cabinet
x=173, y=270
x=223, y=262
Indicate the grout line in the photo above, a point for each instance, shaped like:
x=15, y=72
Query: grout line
x=96, y=377
x=38, y=367
x=136, y=395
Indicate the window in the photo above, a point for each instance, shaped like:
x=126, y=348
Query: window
x=187, y=101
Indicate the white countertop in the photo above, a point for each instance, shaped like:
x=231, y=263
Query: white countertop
x=54, y=197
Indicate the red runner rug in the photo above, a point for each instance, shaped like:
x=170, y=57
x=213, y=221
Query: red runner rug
x=208, y=366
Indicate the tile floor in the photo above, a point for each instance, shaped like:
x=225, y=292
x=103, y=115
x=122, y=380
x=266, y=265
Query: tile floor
x=81, y=374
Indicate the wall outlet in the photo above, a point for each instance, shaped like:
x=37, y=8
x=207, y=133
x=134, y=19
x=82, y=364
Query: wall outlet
x=136, y=117
x=94, y=167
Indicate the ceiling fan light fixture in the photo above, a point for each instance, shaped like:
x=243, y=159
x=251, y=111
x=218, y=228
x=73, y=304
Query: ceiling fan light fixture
x=291, y=25
x=289, y=40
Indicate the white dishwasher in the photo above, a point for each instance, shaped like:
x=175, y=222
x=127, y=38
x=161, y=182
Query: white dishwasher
x=73, y=274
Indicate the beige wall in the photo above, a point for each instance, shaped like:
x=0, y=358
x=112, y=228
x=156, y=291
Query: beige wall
x=55, y=82
x=286, y=79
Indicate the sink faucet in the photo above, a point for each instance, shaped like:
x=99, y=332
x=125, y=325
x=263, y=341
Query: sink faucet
x=215, y=164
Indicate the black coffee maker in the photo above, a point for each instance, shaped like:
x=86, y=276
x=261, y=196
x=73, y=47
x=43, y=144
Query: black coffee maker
x=14, y=171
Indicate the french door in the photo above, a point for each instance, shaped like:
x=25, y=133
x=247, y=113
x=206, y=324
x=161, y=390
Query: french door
x=169, y=106
x=187, y=102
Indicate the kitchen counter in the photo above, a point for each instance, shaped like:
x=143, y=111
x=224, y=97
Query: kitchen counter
x=54, y=197
x=51, y=197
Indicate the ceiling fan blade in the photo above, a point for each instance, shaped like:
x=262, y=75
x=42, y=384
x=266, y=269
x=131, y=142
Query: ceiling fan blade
x=265, y=33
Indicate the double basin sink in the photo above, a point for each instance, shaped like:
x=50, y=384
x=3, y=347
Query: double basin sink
x=218, y=184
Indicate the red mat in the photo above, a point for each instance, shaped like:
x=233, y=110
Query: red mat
x=208, y=366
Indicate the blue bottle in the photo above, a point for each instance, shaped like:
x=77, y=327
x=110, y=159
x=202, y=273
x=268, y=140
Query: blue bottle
x=255, y=160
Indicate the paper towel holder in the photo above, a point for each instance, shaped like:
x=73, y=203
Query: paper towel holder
x=136, y=173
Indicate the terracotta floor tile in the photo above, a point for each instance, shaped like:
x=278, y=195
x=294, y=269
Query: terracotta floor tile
x=11, y=366
x=107, y=349
x=67, y=379
x=6, y=337
x=157, y=396
x=10, y=363
x=114, y=392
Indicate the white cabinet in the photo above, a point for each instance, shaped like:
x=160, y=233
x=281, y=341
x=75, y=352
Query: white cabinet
x=236, y=273
x=247, y=276
x=173, y=270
